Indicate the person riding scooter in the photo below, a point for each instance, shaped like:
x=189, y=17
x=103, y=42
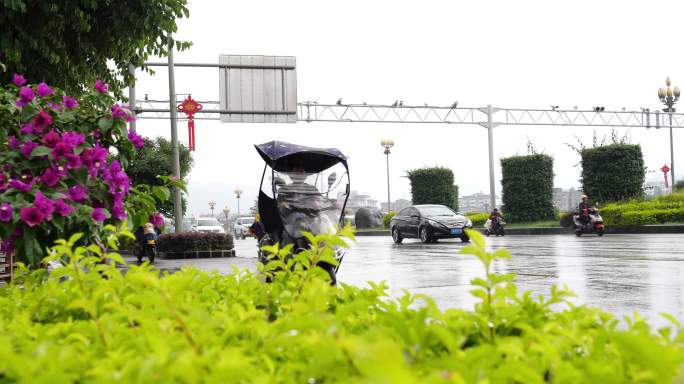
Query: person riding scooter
x=496, y=218
x=584, y=209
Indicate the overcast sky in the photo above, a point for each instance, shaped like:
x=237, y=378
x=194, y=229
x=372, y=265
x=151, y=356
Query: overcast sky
x=526, y=54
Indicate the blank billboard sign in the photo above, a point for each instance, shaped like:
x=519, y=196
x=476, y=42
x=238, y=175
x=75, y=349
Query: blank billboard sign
x=258, y=89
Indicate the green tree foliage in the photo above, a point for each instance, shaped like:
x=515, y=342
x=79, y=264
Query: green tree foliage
x=70, y=44
x=527, y=184
x=434, y=185
x=613, y=172
x=90, y=322
x=155, y=159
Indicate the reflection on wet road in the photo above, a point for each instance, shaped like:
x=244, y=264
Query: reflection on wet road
x=619, y=273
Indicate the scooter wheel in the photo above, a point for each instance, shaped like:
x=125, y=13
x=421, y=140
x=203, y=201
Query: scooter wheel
x=578, y=233
x=487, y=232
x=600, y=232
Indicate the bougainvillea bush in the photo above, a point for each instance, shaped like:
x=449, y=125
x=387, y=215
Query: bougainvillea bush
x=56, y=175
x=88, y=322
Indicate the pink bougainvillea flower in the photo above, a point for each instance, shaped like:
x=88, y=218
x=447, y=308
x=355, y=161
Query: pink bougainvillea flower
x=69, y=102
x=50, y=177
x=136, y=139
x=122, y=112
x=51, y=139
x=6, y=211
x=41, y=121
x=157, y=220
x=3, y=182
x=116, y=178
x=94, y=159
x=27, y=129
x=26, y=96
x=44, y=90
x=31, y=216
x=55, y=106
x=99, y=214
x=77, y=193
x=13, y=142
x=45, y=205
x=118, y=112
x=7, y=246
x=20, y=185
x=73, y=139
x=73, y=161
x=61, y=149
x=118, y=211
x=27, y=148
x=18, y=79
x=63, y=208
x=100, y=86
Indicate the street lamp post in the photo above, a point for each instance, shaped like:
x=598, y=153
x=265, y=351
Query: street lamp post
x=212, y=205
x=238, y=193
x=669, y=97
x=226, y=211
x=387, y=144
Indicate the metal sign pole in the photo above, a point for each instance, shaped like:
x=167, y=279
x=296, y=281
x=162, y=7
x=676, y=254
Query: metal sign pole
x=131, y=94
x=175, y=156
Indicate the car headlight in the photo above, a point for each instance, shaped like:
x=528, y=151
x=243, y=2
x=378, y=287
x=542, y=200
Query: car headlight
x=469, y=223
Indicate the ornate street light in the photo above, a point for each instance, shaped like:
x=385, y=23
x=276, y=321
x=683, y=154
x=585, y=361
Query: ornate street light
x=226, y=211
x=387, y=144
x=669, y=96
x=238, y=193
x=212, y=205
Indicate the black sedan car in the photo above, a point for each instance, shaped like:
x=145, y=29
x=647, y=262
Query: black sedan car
x=429, y=223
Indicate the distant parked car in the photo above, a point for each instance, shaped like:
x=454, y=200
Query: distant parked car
x=241, y=227
x=208, y=224
x=429, y=223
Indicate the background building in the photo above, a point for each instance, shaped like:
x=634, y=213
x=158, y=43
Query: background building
x=477, y=202
x=566, y=200
x=397, y=205
x=357, y=200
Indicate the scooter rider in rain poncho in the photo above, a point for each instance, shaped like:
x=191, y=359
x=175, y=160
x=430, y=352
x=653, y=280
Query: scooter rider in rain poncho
x=584, y=209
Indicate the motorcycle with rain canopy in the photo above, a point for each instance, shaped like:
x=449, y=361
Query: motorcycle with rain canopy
x=303, y=189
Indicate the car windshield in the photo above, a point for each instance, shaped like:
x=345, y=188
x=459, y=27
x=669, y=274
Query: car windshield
x=435, y=210
x=248, y=221
x=208, y=223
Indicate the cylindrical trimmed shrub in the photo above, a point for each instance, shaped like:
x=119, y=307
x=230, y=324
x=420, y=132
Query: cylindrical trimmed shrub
x=613, y=172
x=527, y=185
x=434, y=185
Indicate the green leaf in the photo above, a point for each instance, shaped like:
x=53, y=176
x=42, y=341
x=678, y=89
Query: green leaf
x=40, y=151
x=105, y=124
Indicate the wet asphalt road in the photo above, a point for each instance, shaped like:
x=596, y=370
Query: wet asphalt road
x=619, y=273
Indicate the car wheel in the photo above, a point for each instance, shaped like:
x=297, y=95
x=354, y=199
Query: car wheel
x=396, y=236
x=465, y=239
x=424, y=235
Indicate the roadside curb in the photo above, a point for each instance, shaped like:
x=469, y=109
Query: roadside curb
x=635, y=229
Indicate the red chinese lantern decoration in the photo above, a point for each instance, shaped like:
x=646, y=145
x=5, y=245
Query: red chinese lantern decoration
x=665, y=170
x=189, y=106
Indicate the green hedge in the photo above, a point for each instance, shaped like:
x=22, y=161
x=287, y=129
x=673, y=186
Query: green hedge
x=613, y=172
x=527, y=183
x=433, y=185
x=386, y=219
x=89, y=322
x=194, y=241
x=661, y=210
x=478, y=219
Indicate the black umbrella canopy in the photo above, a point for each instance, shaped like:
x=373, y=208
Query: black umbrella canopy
x=284, y=157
